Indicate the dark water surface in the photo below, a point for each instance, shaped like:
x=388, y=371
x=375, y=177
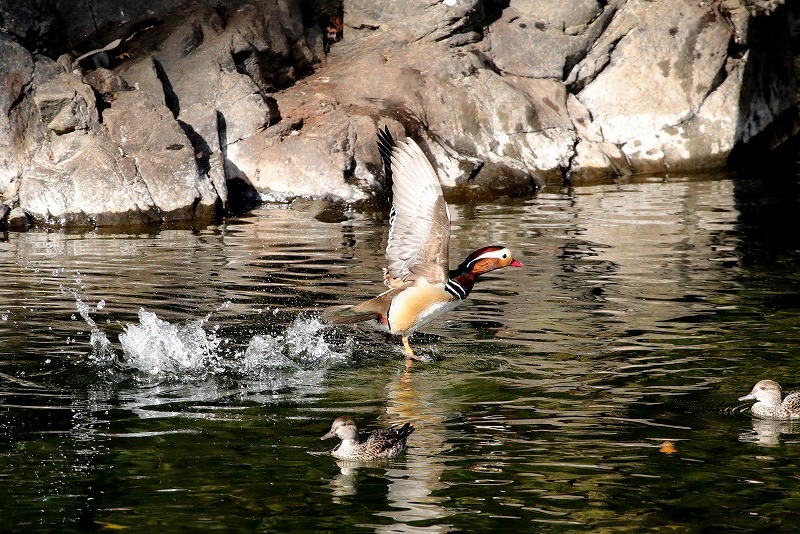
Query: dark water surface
x=181, y=380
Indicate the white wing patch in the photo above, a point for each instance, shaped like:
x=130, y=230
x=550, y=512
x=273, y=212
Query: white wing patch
x=420, y=222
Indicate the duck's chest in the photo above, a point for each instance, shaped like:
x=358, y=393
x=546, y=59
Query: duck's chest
x=784, y=411
x=346, y=450
x=417, y=306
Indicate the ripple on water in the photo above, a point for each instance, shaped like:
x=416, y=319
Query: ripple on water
x=555, y=390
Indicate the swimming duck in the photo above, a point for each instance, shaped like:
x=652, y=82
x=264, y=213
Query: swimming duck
x=767, y=393
x=421, y=285
x=373, y=445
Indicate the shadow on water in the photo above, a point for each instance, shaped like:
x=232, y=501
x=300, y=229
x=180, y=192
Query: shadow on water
x=766, y=198
x=181, y=378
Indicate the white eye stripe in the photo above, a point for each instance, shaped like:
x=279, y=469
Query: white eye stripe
x=501, y=254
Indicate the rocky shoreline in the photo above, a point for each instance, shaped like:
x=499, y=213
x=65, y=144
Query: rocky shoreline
x=127, y=112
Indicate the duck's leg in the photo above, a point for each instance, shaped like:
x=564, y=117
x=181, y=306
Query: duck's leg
x=409, y=351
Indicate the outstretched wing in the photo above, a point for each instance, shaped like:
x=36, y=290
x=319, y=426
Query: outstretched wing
x=419, y=237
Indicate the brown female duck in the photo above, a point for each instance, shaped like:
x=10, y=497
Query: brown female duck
x=767, y=394
x=374, y=445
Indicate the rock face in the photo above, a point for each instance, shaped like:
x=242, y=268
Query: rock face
x=683, y=102
x=16, y=66
x=179, y=110
x=139, y=167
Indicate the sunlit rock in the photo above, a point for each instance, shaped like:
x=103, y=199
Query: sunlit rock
x=261, y=100
x=558, y=33
x=16, y=141
x=163, y=156
x=661, y=84
x=66, y=104
x=314, y=163
x=93, y=185
x=140, y=169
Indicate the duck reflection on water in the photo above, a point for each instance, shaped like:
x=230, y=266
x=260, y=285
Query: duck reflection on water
x=774, y=415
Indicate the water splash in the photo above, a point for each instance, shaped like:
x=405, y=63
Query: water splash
x=102, y=352
x=298, y=359
x=303, y=346
x=158, y=348
x=155, y=350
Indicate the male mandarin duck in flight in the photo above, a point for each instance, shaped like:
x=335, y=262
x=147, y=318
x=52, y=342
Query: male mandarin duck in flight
x=422, y=286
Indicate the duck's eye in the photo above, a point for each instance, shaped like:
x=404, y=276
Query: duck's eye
x=505, y=256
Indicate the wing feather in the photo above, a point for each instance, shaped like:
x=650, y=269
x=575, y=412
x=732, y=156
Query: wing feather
x=419, y=236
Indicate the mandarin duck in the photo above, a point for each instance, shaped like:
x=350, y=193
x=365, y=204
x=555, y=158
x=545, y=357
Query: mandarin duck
x=421, y=285
x=372, y=445
x=767, y=393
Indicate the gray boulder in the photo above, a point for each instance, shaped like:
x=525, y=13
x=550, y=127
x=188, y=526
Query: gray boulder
x=139, y=169
x=659, y=84
x=218, y=78
x=146, y=133
x=466, y=115
x=18, y=140
x=95, y=186
x=586, y=90
x=66, y=104
x=556, y=34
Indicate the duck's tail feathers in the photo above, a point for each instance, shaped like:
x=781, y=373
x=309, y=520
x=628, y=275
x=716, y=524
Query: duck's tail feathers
x=346, y=314
x=398, y=436
x=376, y=308
x=406, y=430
